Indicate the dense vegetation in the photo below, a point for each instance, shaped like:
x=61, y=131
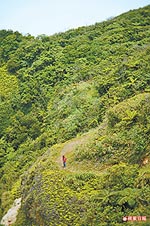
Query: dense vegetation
x=90, y=84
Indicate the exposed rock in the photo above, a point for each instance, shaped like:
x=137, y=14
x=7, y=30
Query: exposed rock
x=10, y=216
x=145, y=161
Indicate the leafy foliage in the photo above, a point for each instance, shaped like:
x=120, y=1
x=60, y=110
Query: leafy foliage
x=53, y=89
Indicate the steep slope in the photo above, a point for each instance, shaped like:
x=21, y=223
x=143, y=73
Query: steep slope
x=102, y=181
x=57, y=88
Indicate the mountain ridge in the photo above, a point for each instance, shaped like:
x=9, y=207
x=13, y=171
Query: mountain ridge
x=88, y=82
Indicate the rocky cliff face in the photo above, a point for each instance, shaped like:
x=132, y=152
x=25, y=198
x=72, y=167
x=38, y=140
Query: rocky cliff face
x=10, y=217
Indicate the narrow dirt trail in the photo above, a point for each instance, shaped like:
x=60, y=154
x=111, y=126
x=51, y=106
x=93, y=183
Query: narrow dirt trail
x=69, y=147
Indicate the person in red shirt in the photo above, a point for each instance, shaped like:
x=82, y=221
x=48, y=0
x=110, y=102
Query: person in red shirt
x=64, y=161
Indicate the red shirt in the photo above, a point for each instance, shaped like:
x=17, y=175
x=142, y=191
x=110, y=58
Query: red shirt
x=64, y=159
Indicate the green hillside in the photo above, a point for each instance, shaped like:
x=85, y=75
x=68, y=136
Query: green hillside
x=84, y=93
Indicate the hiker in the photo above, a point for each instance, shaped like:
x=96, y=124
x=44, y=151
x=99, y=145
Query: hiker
x=64, y=161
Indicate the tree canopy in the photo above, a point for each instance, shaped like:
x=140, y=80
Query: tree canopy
x=91, y=80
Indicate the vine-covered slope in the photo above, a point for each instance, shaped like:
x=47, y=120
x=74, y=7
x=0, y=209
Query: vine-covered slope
x=85, y=93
